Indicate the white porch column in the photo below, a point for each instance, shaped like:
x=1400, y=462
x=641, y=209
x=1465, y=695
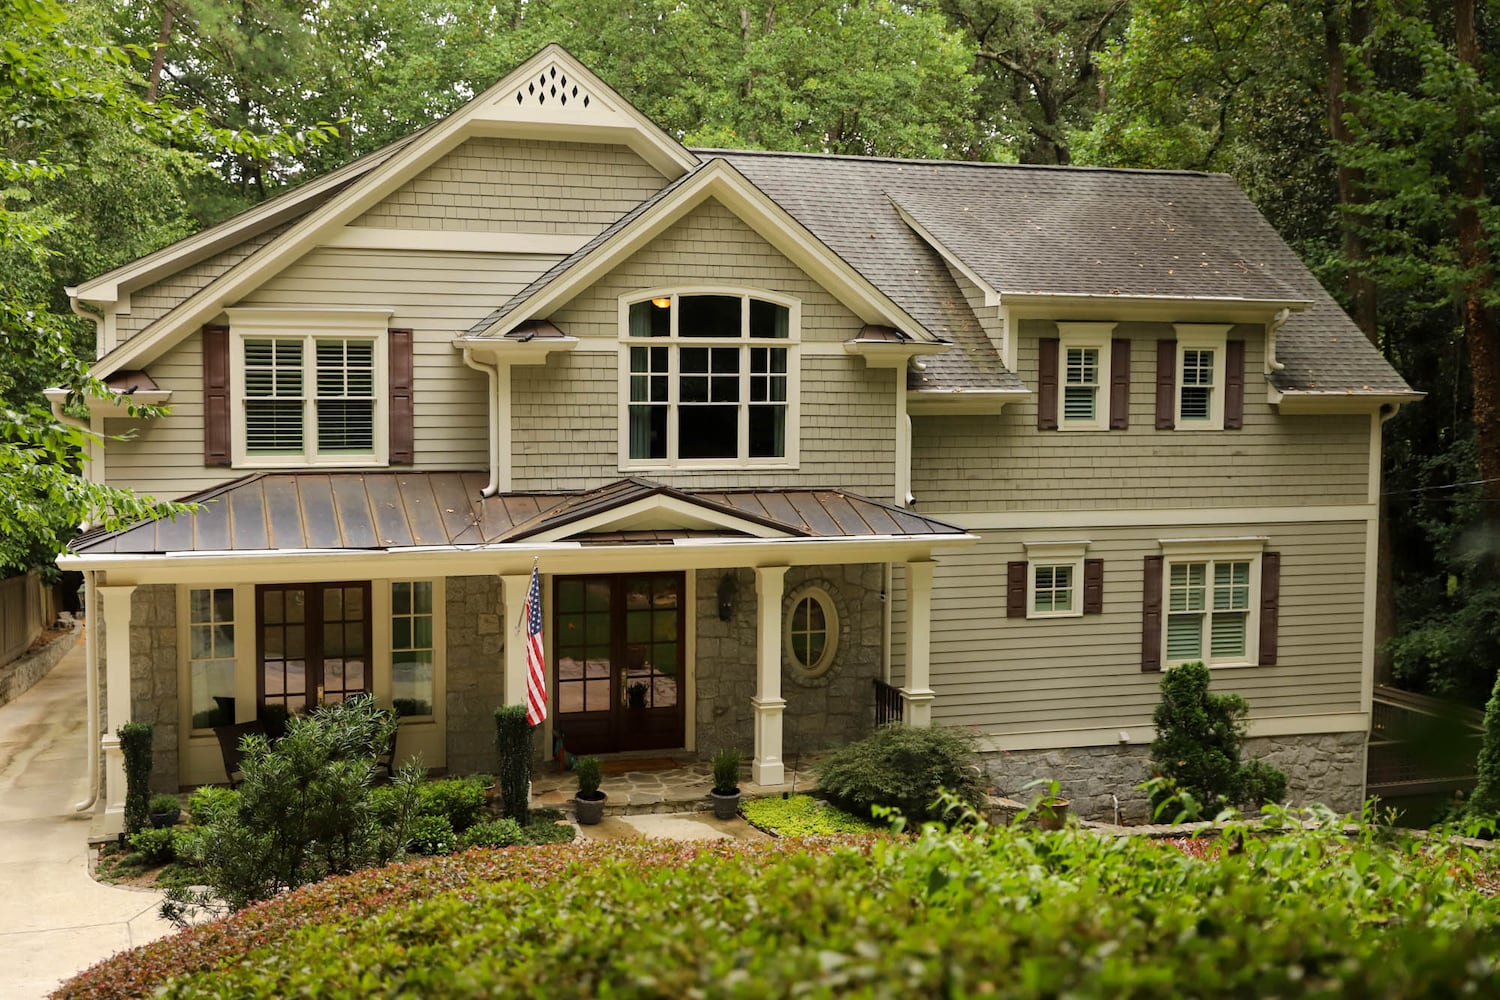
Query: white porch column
x=513, y=596
x=917, y=694
x=767, y=767
x=116, y=607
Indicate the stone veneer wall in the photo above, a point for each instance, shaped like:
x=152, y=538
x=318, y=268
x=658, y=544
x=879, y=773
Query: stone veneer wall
x=476, y=671
x=1327, y=768
x=821, y=712
x=153, y=676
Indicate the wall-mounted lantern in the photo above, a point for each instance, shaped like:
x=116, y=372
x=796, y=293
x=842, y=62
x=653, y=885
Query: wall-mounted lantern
x=727, y=589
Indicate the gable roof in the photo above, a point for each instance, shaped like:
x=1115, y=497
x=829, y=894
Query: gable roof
x=532, y=100
x=714, y=179
x=382, y=511
x=1070, y=231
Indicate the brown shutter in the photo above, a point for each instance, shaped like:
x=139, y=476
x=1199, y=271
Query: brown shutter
x=1234, y=385
x=1270, y=605
x=216, y=395
x=1093, y=586
x=1151, y=615
x=399, y=394
x=1119, y=384
x=1046, y=384
x=1166, y=385
x=1015, y=589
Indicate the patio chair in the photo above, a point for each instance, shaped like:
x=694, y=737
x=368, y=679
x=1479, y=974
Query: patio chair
x=229, y=747
x=385, y=761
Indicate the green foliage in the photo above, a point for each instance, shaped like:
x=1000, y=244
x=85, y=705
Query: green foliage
x=458, y=800
x=1278, y=911
x=1486, y=798
x=497, y=833
x=1197, y=746
x=207, y=802
x=726, y=766
x=157, y=847
x=801, y=816
x=590, y=773
x=904, y=767
x=164, y=803
x=429, y=834
x=135, y=744
x=513, y=750
x=303, y=810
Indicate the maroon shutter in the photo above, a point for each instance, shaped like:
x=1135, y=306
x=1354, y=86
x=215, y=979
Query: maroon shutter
x=399, y=394
x=1166, y=384
x=1046, y=384
x=1093, y=586
x=1270, y=605
x=1119, y=384
x=1015, y=589
x=1151, y=615
x=216, y=395
x=1234, y=385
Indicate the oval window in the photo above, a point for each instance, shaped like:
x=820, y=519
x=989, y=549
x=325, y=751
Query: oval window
x=812, y=632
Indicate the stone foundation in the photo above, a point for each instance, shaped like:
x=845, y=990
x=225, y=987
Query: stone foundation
x=1327, y=768
x=476, y=671
x=821, y=712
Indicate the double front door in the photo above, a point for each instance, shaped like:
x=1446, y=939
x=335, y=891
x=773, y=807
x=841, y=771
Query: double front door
x=313, y=643
x=618, y=656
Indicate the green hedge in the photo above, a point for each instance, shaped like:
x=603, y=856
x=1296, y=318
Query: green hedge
x=1012, y=912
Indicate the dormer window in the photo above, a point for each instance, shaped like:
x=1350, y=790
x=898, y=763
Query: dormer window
x=709, y=381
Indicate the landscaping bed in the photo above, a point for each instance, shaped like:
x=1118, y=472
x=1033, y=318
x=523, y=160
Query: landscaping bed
x=801, y=816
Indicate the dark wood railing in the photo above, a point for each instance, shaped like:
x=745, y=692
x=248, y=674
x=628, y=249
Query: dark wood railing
x=888, y=703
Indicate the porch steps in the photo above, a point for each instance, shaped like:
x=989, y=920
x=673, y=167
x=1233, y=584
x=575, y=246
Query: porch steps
x=683, y=788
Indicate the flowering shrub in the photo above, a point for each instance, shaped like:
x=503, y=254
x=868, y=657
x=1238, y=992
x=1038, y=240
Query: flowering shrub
x=1011, y=911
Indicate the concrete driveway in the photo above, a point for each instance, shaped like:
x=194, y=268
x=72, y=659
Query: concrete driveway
x=55, y=920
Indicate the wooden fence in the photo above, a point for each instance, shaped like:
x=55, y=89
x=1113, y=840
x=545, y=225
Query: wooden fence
x=25, y=609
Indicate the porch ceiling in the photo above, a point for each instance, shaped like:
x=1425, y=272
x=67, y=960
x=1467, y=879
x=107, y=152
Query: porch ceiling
x=382, y=511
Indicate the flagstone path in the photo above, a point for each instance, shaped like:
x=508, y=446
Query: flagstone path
x=683, y=788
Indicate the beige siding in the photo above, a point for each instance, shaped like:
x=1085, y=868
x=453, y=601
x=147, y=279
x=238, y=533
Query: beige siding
x=149, y=304
x=565, y=416
x=519, y=185
x=977, y=463
x=435, y=294
x=1008, y=676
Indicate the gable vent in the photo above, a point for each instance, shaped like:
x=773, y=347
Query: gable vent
x=552, y=86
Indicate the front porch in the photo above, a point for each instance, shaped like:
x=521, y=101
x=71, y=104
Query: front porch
x=663, y=785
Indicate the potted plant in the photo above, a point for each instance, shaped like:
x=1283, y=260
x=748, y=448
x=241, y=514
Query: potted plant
x=726, y=790
x=588, y=803
x=636, y=694
x=164, y=810
x=1049, y=809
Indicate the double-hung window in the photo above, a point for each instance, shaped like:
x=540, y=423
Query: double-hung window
x=310, y=388
x=1200, y=376
x=1055, y=579
x=1083, y=360
x=709, y=380
x=1211, y=604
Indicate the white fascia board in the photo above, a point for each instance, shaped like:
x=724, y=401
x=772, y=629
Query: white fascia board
x=501, y=351
x=937, y=402
x=991, y=294
x=882, y=354
x=658, y=512
x=269, y=566
x=1143, y=734
x=322, y=222
x=1168, y=308
x=1295, y=402
x=108, y=407
x=722, y=182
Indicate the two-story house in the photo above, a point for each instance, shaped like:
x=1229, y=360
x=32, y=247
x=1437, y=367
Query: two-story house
x=782, y=433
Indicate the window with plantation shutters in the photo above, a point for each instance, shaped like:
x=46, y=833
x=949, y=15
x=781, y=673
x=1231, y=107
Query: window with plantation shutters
x=1212, y=604
x=273, y=397
x=1077, y=380
x=345, y=412
x=1205, y=400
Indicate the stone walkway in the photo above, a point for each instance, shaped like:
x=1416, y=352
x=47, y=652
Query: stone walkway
x=683, y=788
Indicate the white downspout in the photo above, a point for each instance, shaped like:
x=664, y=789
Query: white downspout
x=1277, y=322
x=493, y=371
x=91, y=696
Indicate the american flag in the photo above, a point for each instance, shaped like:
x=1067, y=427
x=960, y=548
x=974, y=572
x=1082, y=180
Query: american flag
x=536, y=670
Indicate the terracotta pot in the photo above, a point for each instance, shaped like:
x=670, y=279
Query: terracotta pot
x=589, y=811
x=1052, y=816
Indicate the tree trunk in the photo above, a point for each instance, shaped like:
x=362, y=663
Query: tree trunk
x=1360, y=287
x=1480, y=328
x=159, y=55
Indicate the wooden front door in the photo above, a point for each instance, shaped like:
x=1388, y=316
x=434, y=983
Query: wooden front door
x=313, y=643
x=617, y=661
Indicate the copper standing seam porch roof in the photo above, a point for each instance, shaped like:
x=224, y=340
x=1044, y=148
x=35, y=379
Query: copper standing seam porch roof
x=373, y=511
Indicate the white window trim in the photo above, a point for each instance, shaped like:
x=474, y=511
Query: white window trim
x=309, y=325
x=1085, y=335
x=824, y=662
x=1055, y=554
x=792, y=345
x=1214, y=550
x=383, y=660
x=1201, y=337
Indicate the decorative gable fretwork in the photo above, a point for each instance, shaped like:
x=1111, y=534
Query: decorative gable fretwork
x=552, y=84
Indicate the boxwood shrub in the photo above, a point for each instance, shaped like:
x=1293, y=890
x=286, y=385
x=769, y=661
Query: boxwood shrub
x=903, y=767
x=1010, y=912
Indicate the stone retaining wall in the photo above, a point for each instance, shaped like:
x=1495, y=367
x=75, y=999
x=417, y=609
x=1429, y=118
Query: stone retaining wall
x=1327, y=768
x=17, y=676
